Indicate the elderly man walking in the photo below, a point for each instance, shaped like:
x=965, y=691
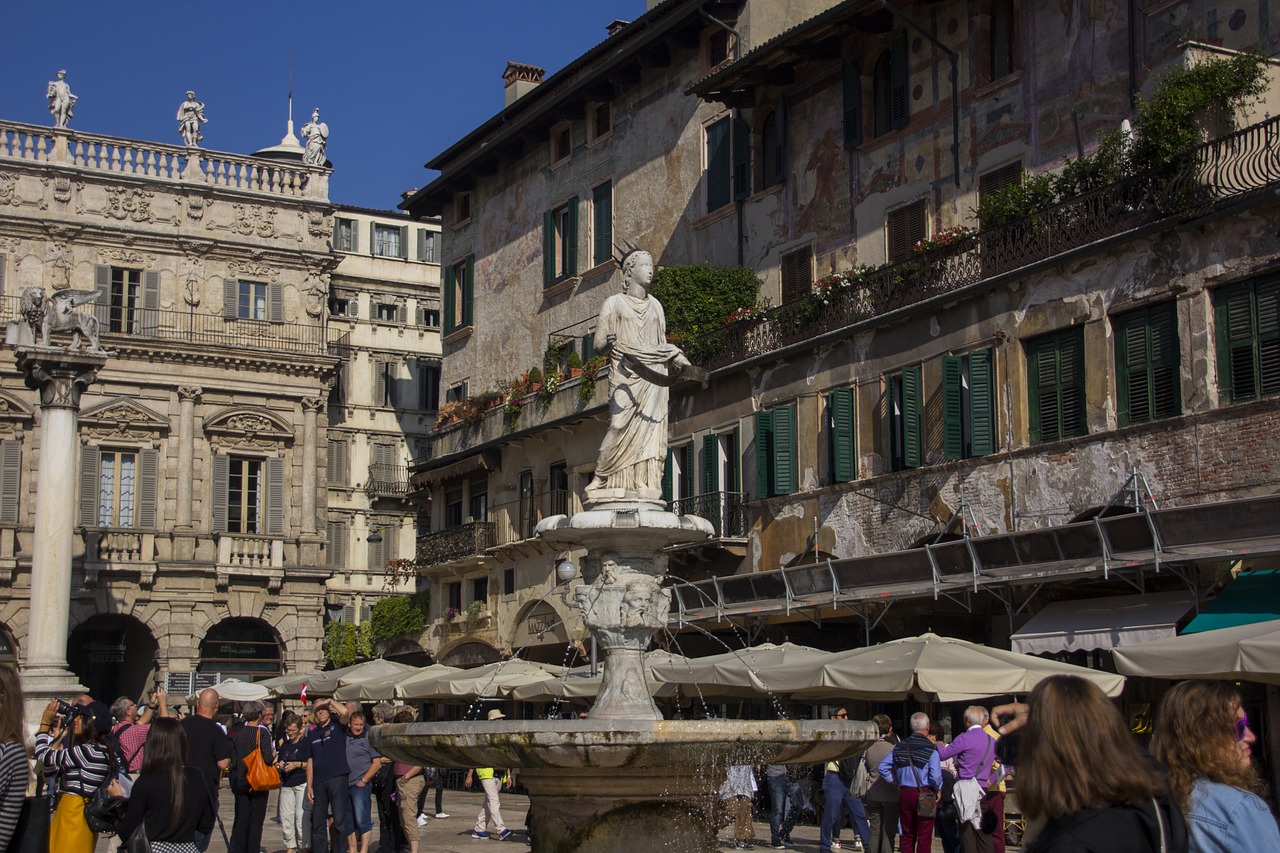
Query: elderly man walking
x=913, y=766
x=974, y=751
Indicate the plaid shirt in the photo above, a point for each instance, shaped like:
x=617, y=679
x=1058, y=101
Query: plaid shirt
x=131, y=741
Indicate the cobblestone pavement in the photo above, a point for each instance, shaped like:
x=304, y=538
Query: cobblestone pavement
x=452, y=835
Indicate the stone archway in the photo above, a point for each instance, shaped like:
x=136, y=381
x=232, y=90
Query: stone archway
x=470, y=654
x=114, y=655
x=242, y=647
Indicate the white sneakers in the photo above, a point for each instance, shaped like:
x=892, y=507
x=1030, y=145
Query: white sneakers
x=422, y=820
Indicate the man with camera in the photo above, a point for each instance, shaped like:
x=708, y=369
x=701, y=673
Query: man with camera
x=131, y=727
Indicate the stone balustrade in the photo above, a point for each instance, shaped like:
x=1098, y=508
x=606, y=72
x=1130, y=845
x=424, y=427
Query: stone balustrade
x=250, y=557
x=119, y=550
x=155, y=160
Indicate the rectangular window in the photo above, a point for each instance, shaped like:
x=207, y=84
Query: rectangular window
x=456, y=393
x=1055, y=370
x=388, y=241
x=773, y=149
x=336, y=552
x=718, y=45
x=125, y=300
x=602, y=223
x=453, y=595
x=679, y=476
x=968, y=404
x=384, y=550
x=560, y=243
x=903, y=404
x=851, y=95
x=528, y=508
x=728, y=161
x=429, y=246
x=345, y=235
x=336, y=468
x=428, y=385
x=244, y=495
x=797, y=274
x=1247, y=321
x=340, y=306
x=453, y=504
x=558, y=489
x=508, y=581
x=599, y=121
x=252, y=301
x=561, y=142
x=117, y=489
x=1002, y=40
x=386, y=384
x=842, y=436
x=386, y=312
x=480, y=590
x=478, y=500
x=776, y=451
x=429, y=317
x=10, y=480
x=1009, y=174
x=461, y=208
x=1147, y=375
x=906, y=226
x=459, y=289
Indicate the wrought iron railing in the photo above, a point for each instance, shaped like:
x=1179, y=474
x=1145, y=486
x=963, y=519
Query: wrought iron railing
x=515, y=520
x=388, y=481
x=455, y=543
x=1223, y=170
x=727, y=512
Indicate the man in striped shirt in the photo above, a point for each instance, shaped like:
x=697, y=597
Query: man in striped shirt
x=131, y=727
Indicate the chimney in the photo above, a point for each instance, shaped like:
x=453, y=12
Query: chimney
x=615, y=26
x=520, y=79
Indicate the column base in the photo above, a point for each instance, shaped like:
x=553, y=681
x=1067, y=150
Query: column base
x=41, y=684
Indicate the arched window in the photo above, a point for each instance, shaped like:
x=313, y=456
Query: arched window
x=241, y=647
x=772, y=154
x=881, y=87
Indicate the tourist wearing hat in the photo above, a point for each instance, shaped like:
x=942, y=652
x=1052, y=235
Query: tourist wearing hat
x=489, y=822
x=83, y=763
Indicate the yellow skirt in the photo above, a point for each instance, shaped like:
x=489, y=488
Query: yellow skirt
x=68, y=833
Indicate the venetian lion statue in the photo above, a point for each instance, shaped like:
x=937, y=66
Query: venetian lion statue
x=56, y=313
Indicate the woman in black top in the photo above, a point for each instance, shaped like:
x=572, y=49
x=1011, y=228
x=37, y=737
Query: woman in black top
x=169, y=798
x=251, y=806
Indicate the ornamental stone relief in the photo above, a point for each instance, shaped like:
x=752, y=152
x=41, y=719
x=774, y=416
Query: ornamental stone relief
x=251, y=219
x=195, y=207
x=62, y=189
x=57, y=258
x=130, y=203
x=127, y=256
x=253, y=269
x=317, y=224
x=121, y=419
x=7, y=184
x=192, y=277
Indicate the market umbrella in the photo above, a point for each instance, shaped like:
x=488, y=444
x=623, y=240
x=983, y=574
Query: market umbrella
x=579, y=683
x=749, y=671
x=1247, y=652
x=375, y=682
x=290, y=686
x=944, y=668
x=235, y=690
x=492, y=679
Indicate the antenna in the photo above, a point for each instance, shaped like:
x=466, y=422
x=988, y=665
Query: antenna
x=291, y=91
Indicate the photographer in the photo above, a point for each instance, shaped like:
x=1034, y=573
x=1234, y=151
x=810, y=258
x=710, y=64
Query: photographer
x=83, y=765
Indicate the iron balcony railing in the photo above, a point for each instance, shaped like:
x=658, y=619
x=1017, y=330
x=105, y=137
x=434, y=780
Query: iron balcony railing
x=388, y=480
x=1224, y=170
x=456, y=543
x=727, y=512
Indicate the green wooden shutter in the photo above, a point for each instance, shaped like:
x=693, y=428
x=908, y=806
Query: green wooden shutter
x=898, y=81
x=843, y=442
x=710, y=464
x=688, y=469
x=911, y=428
x=1268, y=319
x=1071, y=357
x=148, y=487
x=275, y=497
x=89, y=462
x=666, y=479
x=102, y=286
x=450, y=297
x=571, y=238
x=275, y=300
x=952, y=407
x=150, y=322
x=982, y=402
x=784, y=437
x=1233, y=312
x=741, y=158
x=735, y=454
x=602, y=224
x=218, y=497
x=469, y=290
x=10, y=480
x=719, y=166
x=230, y=298
x=764, y=454
x=548, y=248
x=851, y=92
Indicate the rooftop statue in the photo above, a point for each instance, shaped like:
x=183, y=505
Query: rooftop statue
x=42, y=314
x=60, y=99
x=316, y=133
x=190, y=117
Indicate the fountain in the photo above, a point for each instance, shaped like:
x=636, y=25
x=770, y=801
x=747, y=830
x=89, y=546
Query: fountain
x=625, y=779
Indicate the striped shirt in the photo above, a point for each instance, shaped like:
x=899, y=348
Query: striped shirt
x=83, y=768
x=14, y=772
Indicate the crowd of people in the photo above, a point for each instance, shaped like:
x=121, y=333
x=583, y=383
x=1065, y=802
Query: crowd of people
x=1083, y=782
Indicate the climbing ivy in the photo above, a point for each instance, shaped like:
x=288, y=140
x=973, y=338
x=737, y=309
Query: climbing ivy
x=345, y=643
x=399, y=615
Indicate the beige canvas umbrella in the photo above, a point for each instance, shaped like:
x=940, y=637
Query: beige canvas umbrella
x=492, y=679
x=290, y=686
x=324, y=683
x=372, y=683
x=236, y=690
x=579, y=683
x=944, y=668
x=1247, y=652
x=743, y=672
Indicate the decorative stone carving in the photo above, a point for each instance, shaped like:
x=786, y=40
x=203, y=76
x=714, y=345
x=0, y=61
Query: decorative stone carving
x=253, y=269
x=189, y=392
x=59, y=379
x=316, y=133
x=61, y=189
x=190, y=117
x=8, y=182
x=57, y=256
x=123, y=418
x=252, y=219
x=195, y=207
x=318, y=224
x=130, y=203
x=316, y=296
x=61, y=101
x=55, y=313
x=127, y=257
x=249, y=428
x=313, y=404
x=192, y=276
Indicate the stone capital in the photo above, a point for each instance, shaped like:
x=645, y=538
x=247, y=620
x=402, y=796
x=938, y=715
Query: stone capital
x=313, y=404
x=59, y=375
x=189, y=392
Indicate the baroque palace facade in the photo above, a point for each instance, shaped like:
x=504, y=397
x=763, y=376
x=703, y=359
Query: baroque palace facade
x=205, y=542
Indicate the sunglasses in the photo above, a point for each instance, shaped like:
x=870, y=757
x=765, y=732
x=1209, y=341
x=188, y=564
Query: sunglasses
x=842, y=716
x=1242, y=727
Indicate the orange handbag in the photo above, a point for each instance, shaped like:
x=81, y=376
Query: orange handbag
x=260, y=775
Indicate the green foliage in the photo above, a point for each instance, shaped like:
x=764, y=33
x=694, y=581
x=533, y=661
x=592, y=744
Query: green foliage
x=697, y=298
x=471, y=616
x=535, y=376
x=587, y=382
x=1109, y=164
x=399, y=615
x=346, y=643
x=1016, y=201
x=574, y=361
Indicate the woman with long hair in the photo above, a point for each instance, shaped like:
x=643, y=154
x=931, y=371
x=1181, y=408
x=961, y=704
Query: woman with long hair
x=169, y=798
x=14, y=768
x=80, y=753
x=251, y=805
x=1204, y=740
x=1082, y=778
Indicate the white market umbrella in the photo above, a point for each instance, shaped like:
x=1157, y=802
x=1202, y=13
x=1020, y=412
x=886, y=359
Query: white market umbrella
x=750, y=671
x=1243, y=652
x=377, y=687
x=948, y=669
x=290, y=686
x=235, y=690
x=579, y=683
x=488, y=681
x=324, y=683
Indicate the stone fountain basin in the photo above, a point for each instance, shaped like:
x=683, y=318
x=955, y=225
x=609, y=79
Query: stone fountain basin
x=608, y=745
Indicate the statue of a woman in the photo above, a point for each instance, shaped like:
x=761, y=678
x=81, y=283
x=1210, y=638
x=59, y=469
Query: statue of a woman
x=632, y=331
x=316, y=133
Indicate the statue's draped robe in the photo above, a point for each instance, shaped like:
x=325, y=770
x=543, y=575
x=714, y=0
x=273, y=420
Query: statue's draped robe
x=635, y=446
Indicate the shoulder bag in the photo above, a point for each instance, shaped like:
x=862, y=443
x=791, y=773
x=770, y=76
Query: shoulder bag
x=102, y=811
x=138, y=841
x=927, y=804
x=32, y=832
x=861, y=778
x=260, y=776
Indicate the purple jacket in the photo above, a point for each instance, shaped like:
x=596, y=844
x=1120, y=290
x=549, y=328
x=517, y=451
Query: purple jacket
x=974, y=752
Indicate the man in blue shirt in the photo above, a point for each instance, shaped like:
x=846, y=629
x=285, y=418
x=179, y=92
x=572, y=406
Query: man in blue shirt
x=914, y=765
x=327, y=772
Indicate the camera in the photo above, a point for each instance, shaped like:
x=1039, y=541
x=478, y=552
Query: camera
x=68, y=712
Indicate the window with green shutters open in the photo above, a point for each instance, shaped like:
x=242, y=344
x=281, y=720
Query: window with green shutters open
x=1055, y=374
x=1247, y=326
x=602, y=223
x=968, y=404
x=728, y=162
x=776, y=460
x=902, y=401
x=118, y=487
x=842, y=459
x=248, y=495
x=560, y=243
x=678, y=475
x=459, y=294
x=1148, y=383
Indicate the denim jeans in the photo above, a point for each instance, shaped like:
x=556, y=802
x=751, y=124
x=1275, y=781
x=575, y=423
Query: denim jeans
x=329, y=794
x=836, y=794
x=361, y=808
x=777, y=804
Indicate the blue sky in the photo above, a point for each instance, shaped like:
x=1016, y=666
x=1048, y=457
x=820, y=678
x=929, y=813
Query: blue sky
x=397, y=81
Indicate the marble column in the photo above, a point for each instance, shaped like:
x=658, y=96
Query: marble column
x=187, y=397
x=311, y=407
x=60, y=377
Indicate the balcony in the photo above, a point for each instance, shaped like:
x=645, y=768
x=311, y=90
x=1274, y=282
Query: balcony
x=249, y=557
x=112, y=550
x=727, y=512
x=388, y=481
x=455, y=543
x=1224, y=171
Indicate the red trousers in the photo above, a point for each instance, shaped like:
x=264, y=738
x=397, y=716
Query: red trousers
x=917, y=832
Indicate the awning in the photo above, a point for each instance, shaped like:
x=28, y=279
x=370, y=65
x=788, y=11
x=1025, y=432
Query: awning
x=1102, y=623
x=1251, y=597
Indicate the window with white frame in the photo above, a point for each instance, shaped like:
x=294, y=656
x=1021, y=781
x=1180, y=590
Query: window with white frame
x=387, y=241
